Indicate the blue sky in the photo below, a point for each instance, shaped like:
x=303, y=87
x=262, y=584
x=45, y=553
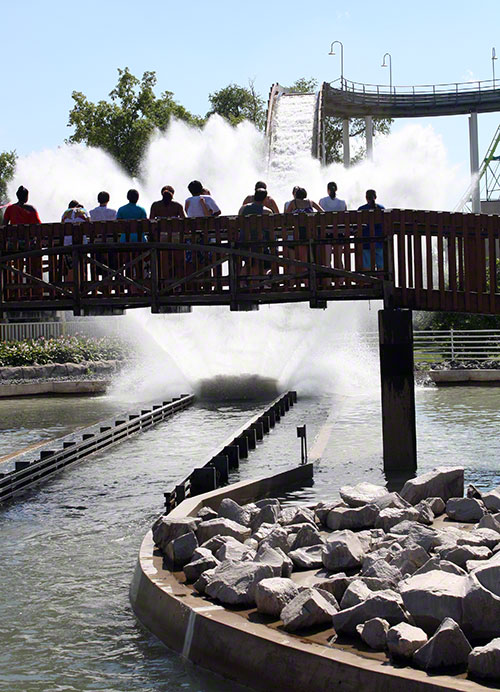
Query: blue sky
x=51, y=48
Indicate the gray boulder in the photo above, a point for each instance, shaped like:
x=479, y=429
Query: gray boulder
x=268, y=501
x=374, y=633
x=425, y=513
x=390, y=517
x=391, y=501
x=296, y=515
x=432, y=596
x=437, y=505
x=404, y=639
x=278, y=538
x=307, y=535
x=222, y=527
x=336, y=585
x=234, y=550
x=268, y=514
x=423, y=536
x=381, y=604
x=213, y=544
x=481, y=608
x=435, y=563
x=448, y=646
x=206, y=513
x=488, y=521
x=361, y=494
x=194, y=569
x=408, y=560
x=484, y=661
x=310, y=557
x=201, y=583
x=229, y=509
x=180, y=551
x=166, y=530
x=308, y=609
x=356, y=592
x=342, y=551
x=234, y=583
x=352, y=518
x=282, y=565
x=462, y=553
x=488, y=538
x=272, y=595
x=466, y=509
x=492, y=500
x=388, y=573
x=263, y=531
x=443, y=482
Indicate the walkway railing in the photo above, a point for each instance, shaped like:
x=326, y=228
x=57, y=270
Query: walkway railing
x=416, y=89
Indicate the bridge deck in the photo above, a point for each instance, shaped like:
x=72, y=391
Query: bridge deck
x=431, y=261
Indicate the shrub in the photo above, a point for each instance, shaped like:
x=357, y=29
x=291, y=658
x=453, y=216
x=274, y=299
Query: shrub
x=63, y=349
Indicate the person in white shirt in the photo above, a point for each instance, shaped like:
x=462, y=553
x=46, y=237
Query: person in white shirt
x=199, y=204
x=102, y=213
x=332, y=202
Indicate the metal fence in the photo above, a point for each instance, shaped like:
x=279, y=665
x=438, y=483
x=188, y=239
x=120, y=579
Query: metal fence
x=429, y=345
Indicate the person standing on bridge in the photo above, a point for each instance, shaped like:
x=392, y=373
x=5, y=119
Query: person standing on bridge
x=200, y=204
x=170, y=262
x=371, y=196
x=102, y=212
x=332, y=203
x=166, y=208
x=268, y=203
x=21, y=211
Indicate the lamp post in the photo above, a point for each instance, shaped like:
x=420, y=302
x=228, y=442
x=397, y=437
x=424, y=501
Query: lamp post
x=493, y=58
x=388, y=55
x=332, y=52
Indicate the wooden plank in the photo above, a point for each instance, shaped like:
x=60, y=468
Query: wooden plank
x=492, y=261
x=419, y=223
x=440, y=261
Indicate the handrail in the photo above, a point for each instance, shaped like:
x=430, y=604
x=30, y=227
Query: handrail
x=419, y=89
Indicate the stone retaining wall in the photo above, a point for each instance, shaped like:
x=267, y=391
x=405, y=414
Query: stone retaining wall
x=98, y=368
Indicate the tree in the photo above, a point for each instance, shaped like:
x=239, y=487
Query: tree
x=333, y=126
x=7, y=168
x=124, y=125
x=236, y=103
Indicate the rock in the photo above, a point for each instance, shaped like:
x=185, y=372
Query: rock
x=361, y=494
x=465, y=509
x=404, y=639
x=408, y=560
x=310, y=557
x=461, y=553
x=391, y=501
x=443, y=565
x=193, y=570
x=297, y=515
x=222, y=527
x=308, y=535
x=488, y=521
x=251, y=543
x=437, y=505
x=180, y=551
x=481, y=607
x=488, y=538
x=381, y=604
x=234, y=550
x=342, y=551
x=336, y=585
x=492, y=500
x=234, y=583
x=278, y=538
x=425, y=513
x=308, y=609
x=281, y=564
x=229, y=509
x=268, y=501
x=352, y=518
x=356, y=592
x=432, y=596
x=322, y=510
x=268, y=514
x=484, y=661
x=166, y=530
x=272, y=595
x=421, y=535
x=213, y=544
x=380, y=569
x=374, y=633
x=206, y=513
x=443, y=482
x=204, y=578
x=447, y=647
x=390, y=517
x=369, y=538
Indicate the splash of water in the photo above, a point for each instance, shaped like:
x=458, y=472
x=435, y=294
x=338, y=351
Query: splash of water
x=291, y=343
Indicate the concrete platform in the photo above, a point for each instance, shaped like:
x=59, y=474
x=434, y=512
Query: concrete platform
x=244, y=646
x=59, y=387
x=465, y=377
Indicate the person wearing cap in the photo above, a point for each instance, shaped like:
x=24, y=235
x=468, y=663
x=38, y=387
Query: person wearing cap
x=21, y=211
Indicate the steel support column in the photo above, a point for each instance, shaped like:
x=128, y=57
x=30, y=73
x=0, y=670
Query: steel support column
x=345, y=142
x=474, y=163
x=369, y=137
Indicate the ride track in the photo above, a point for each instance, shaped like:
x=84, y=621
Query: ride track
x=433, y=261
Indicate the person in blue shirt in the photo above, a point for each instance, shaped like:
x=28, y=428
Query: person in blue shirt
x=371, y=196
x=130, y=212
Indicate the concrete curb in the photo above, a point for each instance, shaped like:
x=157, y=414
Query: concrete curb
x=58, y=370
x=233, y=646
x=59, y=387
x=465, y=377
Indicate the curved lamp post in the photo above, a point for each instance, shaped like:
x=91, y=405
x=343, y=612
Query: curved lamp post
x=388, y=55
x=332, y=52
x=493, y=58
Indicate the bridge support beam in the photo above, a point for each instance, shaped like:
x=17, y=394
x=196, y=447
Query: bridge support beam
x=346, y=143
x=474, y=163
x=398, y=392
x=369, y=137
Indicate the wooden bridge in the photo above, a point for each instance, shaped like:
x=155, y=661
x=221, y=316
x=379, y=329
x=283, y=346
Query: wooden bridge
x=431, y=261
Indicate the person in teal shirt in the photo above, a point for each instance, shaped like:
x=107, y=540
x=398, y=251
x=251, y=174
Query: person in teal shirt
x=129, y=212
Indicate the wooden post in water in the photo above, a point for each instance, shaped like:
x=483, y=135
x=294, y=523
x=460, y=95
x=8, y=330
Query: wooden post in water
x=398, y=391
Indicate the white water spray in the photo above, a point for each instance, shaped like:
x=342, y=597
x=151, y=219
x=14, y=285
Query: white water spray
x=291, y=343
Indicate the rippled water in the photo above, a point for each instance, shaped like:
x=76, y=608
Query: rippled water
x=68, y=549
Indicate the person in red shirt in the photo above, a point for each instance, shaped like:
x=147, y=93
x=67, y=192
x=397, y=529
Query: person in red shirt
x=21, y=212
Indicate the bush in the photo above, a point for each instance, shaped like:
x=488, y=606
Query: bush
x=64, y=349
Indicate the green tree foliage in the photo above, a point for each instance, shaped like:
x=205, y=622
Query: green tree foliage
x=236, y=103
x=123, y=126
x=333, y=126
x=7, y=168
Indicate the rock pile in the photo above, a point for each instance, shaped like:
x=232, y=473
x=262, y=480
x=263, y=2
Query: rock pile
x=381, y=570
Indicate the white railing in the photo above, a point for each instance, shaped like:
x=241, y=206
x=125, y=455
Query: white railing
x=451, y=89
x=51, y=330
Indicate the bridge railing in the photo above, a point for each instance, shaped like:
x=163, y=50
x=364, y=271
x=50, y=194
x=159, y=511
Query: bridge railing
x=420, y=90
